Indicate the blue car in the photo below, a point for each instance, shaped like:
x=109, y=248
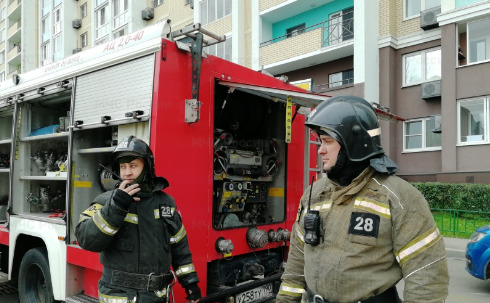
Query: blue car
x=478, y=253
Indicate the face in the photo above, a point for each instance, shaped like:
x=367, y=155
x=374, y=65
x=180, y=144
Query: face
x=329, y=150
x=132, y=170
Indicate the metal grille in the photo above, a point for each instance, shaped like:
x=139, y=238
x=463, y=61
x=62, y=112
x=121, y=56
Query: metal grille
x=7, y=288
x=81, y=299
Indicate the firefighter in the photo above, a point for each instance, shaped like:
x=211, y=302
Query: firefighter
x=138, y=232
x=361, y=229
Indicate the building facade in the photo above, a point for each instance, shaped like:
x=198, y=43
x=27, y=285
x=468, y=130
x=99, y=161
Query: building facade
x=425, y=60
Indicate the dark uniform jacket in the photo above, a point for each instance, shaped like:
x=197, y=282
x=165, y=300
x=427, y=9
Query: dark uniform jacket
x=376, y=231
x=145, y=239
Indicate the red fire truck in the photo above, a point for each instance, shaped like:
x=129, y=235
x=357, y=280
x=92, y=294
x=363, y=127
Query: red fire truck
x=230, y=140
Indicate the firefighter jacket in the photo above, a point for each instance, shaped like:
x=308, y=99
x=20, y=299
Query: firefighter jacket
x=373, y=232
x=147, y=238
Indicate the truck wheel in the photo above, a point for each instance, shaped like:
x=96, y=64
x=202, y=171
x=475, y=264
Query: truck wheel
x=34, y=277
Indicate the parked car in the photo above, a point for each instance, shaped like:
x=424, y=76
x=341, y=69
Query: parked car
x=478, y=253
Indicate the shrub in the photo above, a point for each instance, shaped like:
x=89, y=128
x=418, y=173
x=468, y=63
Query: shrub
x=473, y=197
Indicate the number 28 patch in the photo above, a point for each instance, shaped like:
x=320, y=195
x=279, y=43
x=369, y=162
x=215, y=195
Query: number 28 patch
x=364, y=224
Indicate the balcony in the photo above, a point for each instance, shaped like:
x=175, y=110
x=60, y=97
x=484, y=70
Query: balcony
x=319, y=43
x=13, y=54
x=14, y=28
x=13, y=9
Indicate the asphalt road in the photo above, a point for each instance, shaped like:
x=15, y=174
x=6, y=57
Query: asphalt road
x=463, y=288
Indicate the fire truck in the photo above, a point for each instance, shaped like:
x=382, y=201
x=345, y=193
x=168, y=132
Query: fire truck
x=230, y=141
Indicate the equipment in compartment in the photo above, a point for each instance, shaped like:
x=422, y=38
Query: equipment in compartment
x=48, y=199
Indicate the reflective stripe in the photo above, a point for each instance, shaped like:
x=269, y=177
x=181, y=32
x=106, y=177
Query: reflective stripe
x=291, y=290
x=374, y=132
x=161, y=293
x=179, y=236
x=185, y=269
x=380, y=209
x=299, y=235
x=156, y=212
x=319, y=207
x=92, y=209
x=418, y=245
x=114, y=299
x=103, y=226
x=131, y=218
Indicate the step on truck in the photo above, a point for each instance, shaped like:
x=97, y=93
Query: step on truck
x=230, y=141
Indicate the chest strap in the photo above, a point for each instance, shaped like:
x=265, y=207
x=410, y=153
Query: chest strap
x=388, y=296
x=150, y=282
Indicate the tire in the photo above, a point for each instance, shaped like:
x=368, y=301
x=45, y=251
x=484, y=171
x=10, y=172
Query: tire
x=35, y=278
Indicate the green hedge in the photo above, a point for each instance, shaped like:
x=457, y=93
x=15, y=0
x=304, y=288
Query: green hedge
x=472, y=197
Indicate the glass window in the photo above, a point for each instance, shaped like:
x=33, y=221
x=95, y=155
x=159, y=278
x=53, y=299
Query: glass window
x=222, y=50
x=99, y=2
x=57, y=48
x=2, y=76
x=101, y=22
x=83, y=10
x=3, y=14
x=2, y=35
x=341, y=78
x=84, y=39
x=56, y=2
x=2, y=57
x=45, y=54
x=120, y=12
x=473, y=120
x=478, y=37
x=422, y=66
x=295, y=30
x=418, y=135
x=212, y=10
x=157, y=3
x=57, y=21
x=414, y=7
x=45, y=30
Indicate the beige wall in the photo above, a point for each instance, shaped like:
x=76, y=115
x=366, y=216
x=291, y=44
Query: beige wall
x=266, y=4
x=391, y=20
x=177, y=11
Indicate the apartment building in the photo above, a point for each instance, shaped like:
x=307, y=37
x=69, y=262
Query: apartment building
x=425, y=60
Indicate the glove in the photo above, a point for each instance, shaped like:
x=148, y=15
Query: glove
x=193, y=292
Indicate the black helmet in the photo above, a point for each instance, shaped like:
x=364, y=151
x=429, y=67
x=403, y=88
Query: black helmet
x=351, y=121
x=132, y=146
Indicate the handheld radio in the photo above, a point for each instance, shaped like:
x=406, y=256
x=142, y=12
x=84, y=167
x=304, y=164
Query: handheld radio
x=312, y=222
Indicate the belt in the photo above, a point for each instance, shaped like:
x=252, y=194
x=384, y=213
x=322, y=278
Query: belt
x=388, y=296
x=150, y=282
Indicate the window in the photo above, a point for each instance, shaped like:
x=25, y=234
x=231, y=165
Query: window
x=120, y=9
x=212, y=10
x=84, y=39
x=56, y=2
x=100, y=2
x=157, y=3
x=45, y=29
x=418, y=136
x=296, y=30
x=341, y=78
x=45, y=54
x=2, y=35
x=101, y=22
x=422, y=66
x=57, y=21
x=120, y=32
x=57, y=48
x=2, y=57
x=2, y=76
x=473, y=117
x=340, y=27
x=3, y=13
x=222, y=50
x=413, y=7
x=45, y=7
x=83, y=10
x=478, y=34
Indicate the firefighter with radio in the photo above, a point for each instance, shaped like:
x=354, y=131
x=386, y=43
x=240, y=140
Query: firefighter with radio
x=361, y=229
x=138, y=232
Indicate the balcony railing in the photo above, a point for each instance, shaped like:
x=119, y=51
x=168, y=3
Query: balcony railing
x=334, y=31
x=308, y=40
x=333, y=85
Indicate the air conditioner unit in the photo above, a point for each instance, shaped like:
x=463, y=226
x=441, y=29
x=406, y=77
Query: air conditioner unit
x=431, y=90
x=428, y=18
x=76, y=50
x=77, y=23
x=147, y=14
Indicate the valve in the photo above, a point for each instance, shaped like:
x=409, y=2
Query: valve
x=224, y=246
x=256, y=238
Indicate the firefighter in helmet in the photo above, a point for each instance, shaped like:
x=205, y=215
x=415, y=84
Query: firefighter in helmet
x=361, y=229
x=138, y=232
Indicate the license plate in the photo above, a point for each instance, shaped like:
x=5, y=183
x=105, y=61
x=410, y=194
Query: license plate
x=255, y=294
